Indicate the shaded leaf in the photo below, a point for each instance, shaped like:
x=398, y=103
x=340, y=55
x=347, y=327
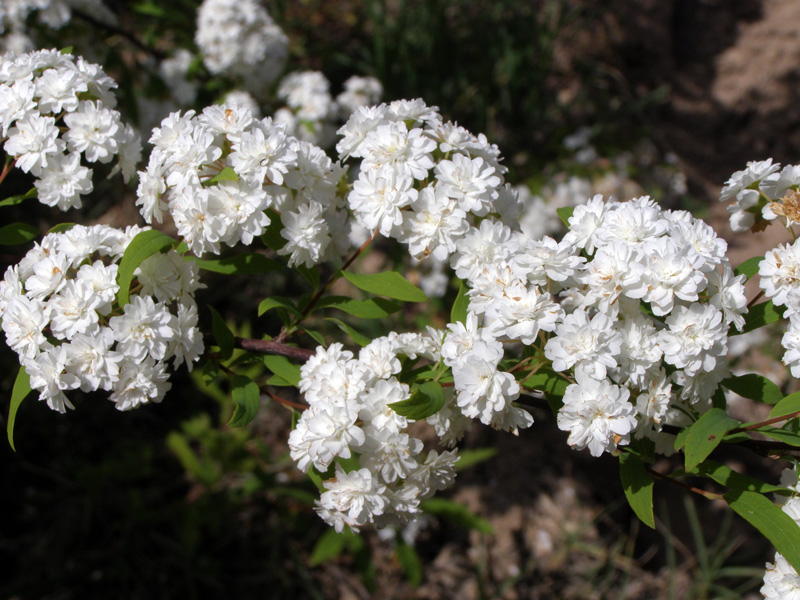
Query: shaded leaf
x=546, y=381
x=222, y=333
x=638, y=486
x=284, y=369
x=328, y=546
x=736, y=481
x=20, y=391
x=755, y=387
x=456, y=512
x=788, y=405
x=17, y=233
x=471, y=457
x=143, y=246
x=410, y=562
x=760, y=315
x=14, y=200
x=373, y=308
x=358, y=338
x=458, y=314
x=427, y=400
x=277, y=302
x=241, y=264
x=246, y=399
x=564, y=213
x=749, y=267
x=227, y=174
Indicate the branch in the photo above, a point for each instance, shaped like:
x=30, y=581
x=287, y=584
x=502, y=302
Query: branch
x=272, y=347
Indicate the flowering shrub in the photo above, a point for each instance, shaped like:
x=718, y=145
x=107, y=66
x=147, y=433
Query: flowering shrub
x=622, y=325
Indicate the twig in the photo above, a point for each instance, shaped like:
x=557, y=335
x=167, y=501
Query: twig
x=128, y=35
x=284, y=401
x=767, y=422
x=273, y=347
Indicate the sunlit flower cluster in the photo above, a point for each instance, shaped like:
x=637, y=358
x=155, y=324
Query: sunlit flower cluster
x=56, y=110
x=62, y=317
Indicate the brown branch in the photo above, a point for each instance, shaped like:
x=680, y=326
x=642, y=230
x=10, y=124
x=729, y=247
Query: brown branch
x=706, y=494
x=767, y=422
x=273, y=347
x=284, y=401
x=128, y=35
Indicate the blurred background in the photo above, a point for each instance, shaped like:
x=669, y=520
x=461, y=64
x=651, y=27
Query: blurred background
x=623, y=98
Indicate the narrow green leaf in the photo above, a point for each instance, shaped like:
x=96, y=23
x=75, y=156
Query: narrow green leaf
x=358, y=338
x=279, y=381
x=281, y=366
x=755, y=387
x=427, y=400
x=471, y=457
x=20, y=391
x=749, y=267
x=277, y=302
x=778, y=527
x=17, y=233
x=143, y=246
x=410, y=562
x=246, y=399
x=14, y=200
x=310, y=274
x=787, y=437
x=760, y=315
x=272, y=234
x=316, y=336
x=564, y=213
x=736, y=481
x=227, y=174
x=389, y=283
x=456, y=512
x=315, y=477
x=328, y=546
x=61, y=228
x=680, y=439
x=372, y=308
x=546, y=381
x=638, y=486
x=706, y=434
x=241, y=264
x=788, y=405
x=458, y=314
x=222, y=333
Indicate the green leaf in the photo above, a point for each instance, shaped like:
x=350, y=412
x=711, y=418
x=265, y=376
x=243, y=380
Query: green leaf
x=564, y=213
x=706, y=434
x=272, y=234
x=778, y=527
x=222, y=333
x=143, y=246
x=755, y=387
x=787, y=437
x=20, y=391
x=788, y=405
x=456, y=512
x=277, y=302
x=17, y=233
x=546, y=381
x=328, y=546
x=736, y=481
x=471, y=457
x=246, y=399
x=359, y=339
x=316, y=336
x=749, y=267
x=14, y=200
x=61, y=227
x=427, y=400
x=314, y=476
x=372, y=308
x=241, y=264
x=458, y=314
x=760, y=315
x=638, y=486
x=389, y=283
x=409, y=560
x=227, y=174
x=281, y=366
x=310, y=274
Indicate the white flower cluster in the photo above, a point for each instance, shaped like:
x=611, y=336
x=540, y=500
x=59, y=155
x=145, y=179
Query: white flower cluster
x=54, y=110
x=762, y=191
x=239, y=37
x=779, y=274
x=216, y=173
x=349, y=416
x=781, y=581
x=656, y=295
x=61, y=316
x=421, y=181
x=311, y=114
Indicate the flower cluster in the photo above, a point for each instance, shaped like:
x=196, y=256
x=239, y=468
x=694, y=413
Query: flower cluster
x=61, y=316
x=216, y=173
x=55, y=110
x=239, y=37
x=762, y=192
x=311, y=113
x=350, y=417
x=779, y=274
x=781, y=581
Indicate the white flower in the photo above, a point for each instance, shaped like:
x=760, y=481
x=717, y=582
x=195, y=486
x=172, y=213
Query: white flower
x=48, y=376
x=91, y=359
x=140, y=382
x=146, y=328
x=781, y=581
x=33, y=141
x=378, y=196
x=597, y=414
x=307, y=235
x=23, y=323
x=695, y=338
x=483, y=391
x=63, y=181
x=93, y=130
x=434, y=225
x=471, y=182
x=779, y=274
x=353, y=499
x=588, y=344
x=324, y=432
x=395, y=146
